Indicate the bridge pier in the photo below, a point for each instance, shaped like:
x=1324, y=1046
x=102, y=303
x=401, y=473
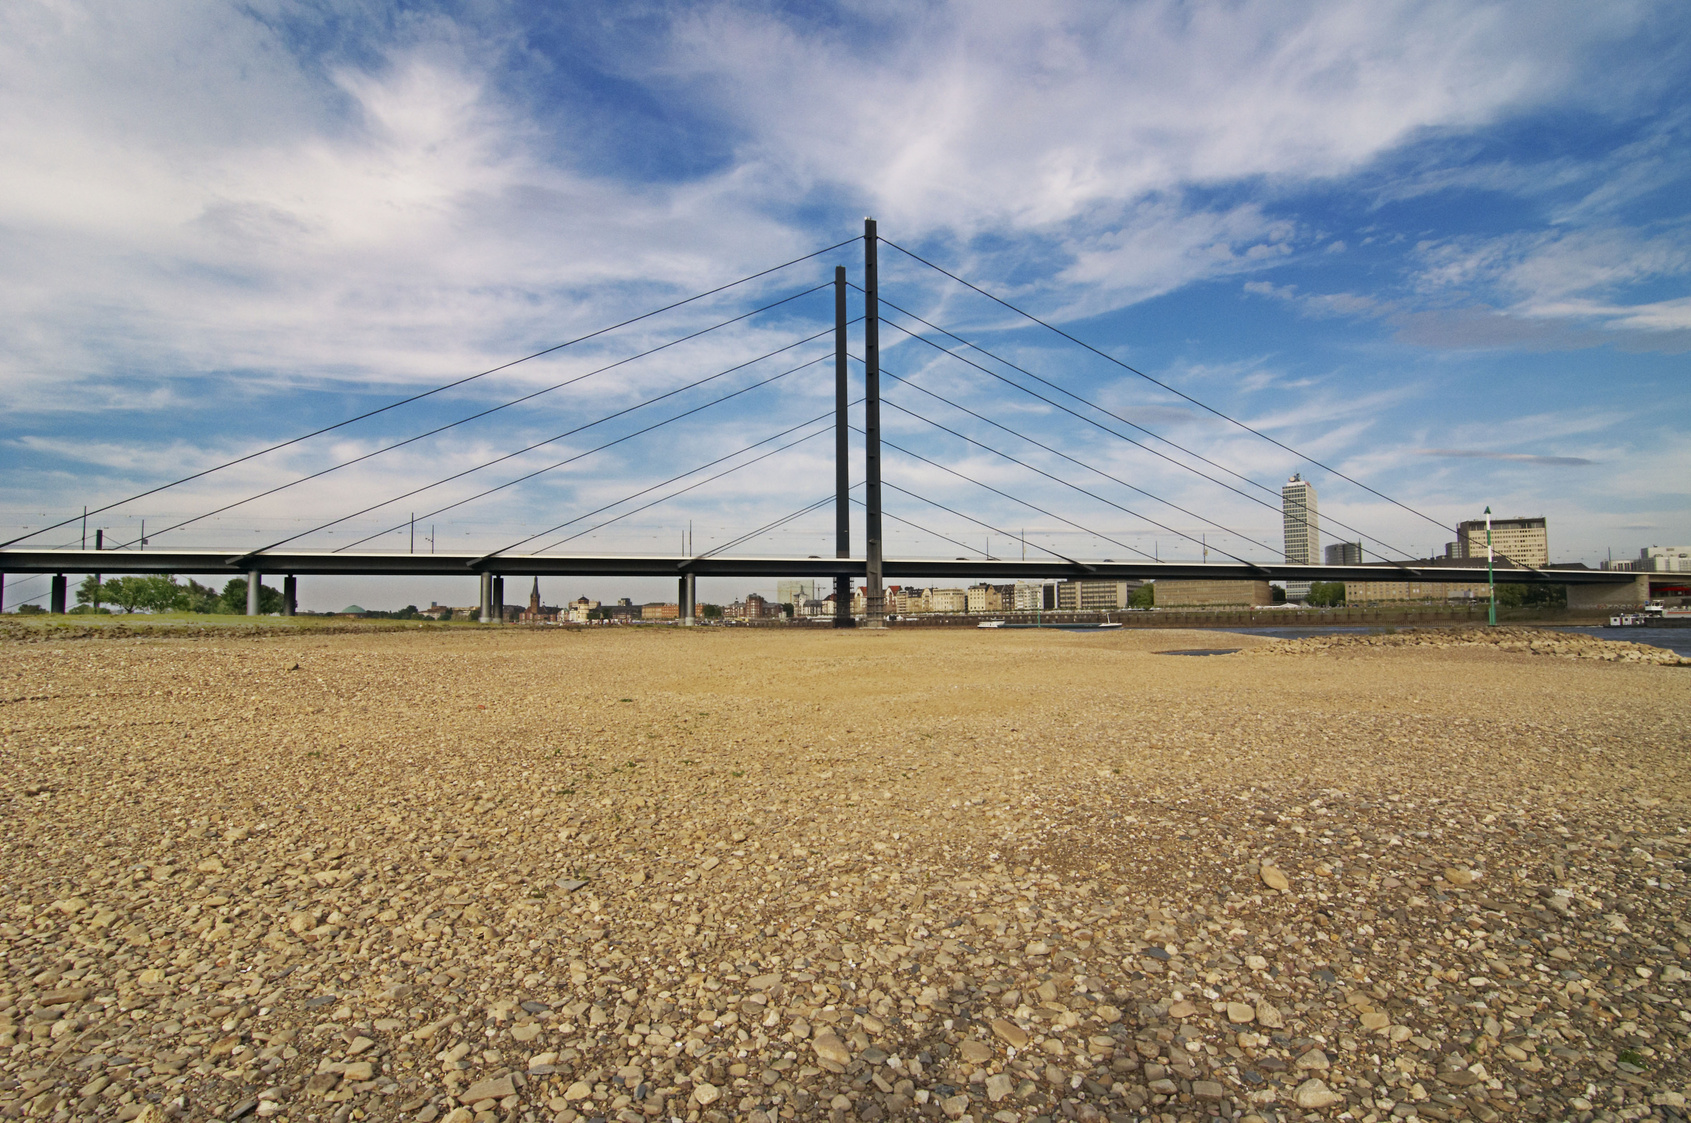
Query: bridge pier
x=290, y=595
x=486, y=597
x=255, y=581
x=56, y=599
x=498, y=600
x=1632, y=591
x=687, y=598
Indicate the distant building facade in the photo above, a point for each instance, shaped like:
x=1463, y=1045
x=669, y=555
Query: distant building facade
x=1035, y=596
x=1212, y=593
x=789, y=592
x=1301, y=526
x=1525, y=541
x=1095, y=595
x=950, y=601
x=662, y=611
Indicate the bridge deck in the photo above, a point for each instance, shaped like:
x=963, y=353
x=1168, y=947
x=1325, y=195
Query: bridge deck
x=304, y=562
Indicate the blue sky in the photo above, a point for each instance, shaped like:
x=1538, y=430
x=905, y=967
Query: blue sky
x=1440, y=248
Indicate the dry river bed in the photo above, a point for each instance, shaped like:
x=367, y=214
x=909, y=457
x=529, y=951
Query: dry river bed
x=699, y=875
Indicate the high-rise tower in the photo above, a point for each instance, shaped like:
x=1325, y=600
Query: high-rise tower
x=1302, y=528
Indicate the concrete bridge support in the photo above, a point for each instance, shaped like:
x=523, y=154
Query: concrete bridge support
x=290, y=595
x=688, y=598
x=498, y=600
x=487, y=598
x=1628, y=591
x=56, y=599
x=255, y=582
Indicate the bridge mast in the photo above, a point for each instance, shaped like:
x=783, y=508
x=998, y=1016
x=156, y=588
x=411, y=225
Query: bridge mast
x=874, y=601
x=842, y=453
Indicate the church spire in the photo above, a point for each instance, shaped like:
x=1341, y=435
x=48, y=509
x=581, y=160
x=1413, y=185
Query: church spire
x=534, y=600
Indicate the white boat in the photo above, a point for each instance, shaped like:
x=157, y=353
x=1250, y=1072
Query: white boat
x=1629, y=620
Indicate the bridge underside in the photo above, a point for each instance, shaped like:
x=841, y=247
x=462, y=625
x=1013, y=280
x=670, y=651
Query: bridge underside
x=302, y=563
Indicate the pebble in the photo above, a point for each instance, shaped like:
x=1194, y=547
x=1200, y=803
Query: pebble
x=831, y=1048
x=1314, y=1094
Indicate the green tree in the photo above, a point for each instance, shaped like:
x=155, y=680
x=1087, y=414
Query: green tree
x=203, y=598
x=1145, y=596
x=127, y=593
x=234, y=599
x=1532, y=596
x=90, y=591
x=1326, y=594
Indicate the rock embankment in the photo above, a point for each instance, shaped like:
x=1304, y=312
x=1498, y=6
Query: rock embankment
x=1527, y=641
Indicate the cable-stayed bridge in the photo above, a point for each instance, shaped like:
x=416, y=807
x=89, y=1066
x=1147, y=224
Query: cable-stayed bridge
x=546, y=553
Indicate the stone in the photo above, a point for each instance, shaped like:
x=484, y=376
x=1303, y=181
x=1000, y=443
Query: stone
x=1256, y=963
x=527, y=1033
x=1207, y=1090
x=1314, y=1094
x=954, y=1106
x=1182, y=1009
x=359, y=1071
x=1268, y=1015
x=975, y=1051
x=1239, y=1013
x=459, y=1115
x=1274, y=879
x=496, y=1088
x=706, y=1093
x=1010, y=1033
x=580, y=1090
x=1460, y=876
x=999, y=1086
x=1376, y=1019
x=1314, y=1060
x=831, y=1048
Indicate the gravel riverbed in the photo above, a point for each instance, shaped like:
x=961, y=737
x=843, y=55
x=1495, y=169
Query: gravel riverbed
x=654, y=874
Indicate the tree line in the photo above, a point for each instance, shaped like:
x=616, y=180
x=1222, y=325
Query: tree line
x=162, y=593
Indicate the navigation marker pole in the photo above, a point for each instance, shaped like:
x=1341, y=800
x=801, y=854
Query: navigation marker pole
x=1490, y=577
x=874, y=598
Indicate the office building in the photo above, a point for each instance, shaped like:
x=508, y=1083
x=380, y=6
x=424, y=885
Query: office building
x=1302, y=527
x=1343, y=553
x=1664, y=559
x=1523, y=541
x=1096, y=595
